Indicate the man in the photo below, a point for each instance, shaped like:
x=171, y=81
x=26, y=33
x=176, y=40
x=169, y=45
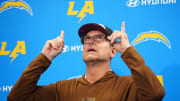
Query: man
x=99, y=83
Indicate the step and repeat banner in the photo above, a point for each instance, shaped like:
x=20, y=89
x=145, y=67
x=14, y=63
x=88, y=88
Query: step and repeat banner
x=152, y=27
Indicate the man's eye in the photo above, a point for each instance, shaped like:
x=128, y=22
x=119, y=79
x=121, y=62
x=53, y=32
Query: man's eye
x=100, y=37
x=87, y=38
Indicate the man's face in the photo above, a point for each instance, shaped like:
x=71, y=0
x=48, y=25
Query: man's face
x=97, y=47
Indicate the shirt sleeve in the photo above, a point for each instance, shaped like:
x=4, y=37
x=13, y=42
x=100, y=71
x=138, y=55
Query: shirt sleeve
x=145, y=86
x=26, y=88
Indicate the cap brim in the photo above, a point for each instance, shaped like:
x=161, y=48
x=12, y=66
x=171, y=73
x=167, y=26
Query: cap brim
x=89, y=27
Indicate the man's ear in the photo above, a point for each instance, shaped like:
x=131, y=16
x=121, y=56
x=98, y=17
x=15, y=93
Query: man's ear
x=114, y=52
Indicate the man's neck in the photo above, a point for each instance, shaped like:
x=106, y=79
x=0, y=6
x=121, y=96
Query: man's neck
x=94, y=70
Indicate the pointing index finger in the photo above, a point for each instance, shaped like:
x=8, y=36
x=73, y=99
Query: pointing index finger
x=62, y=34
x=123, y=27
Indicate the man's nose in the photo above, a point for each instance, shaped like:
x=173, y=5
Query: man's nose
x=91, y=41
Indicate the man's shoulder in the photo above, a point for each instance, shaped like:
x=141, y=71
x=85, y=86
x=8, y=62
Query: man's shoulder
x=127, y=79
x=67, y=82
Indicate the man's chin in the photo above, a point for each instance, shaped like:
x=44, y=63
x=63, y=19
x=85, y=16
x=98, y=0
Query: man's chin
x=92, y=59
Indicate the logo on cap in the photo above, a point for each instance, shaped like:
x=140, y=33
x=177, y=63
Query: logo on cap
x=102, y=26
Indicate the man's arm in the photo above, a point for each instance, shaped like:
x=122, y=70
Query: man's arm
x=145, y=85
x=26, y=88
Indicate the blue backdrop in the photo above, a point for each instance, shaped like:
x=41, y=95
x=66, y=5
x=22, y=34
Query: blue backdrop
x=26, y=25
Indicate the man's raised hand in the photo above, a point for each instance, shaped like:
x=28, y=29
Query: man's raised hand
x=54, y=47
x=123, y=43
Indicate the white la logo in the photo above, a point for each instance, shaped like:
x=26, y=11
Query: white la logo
x=132, y=3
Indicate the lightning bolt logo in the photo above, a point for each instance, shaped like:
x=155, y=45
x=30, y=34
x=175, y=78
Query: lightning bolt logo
x=151, y=35
x=14, y=55
x=88, y=7
x=20, y=48
x=15, y=4
x=81, y=15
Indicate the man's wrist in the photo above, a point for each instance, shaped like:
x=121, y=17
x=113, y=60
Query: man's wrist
x=125, y=49
x=46, y=56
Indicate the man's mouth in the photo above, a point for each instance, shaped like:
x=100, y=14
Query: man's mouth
x=91, y=50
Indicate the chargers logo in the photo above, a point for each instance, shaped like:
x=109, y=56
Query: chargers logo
x=20, y=48
x=88, y=8
x=132, y=3
x=20, y=4
x=151, y=35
